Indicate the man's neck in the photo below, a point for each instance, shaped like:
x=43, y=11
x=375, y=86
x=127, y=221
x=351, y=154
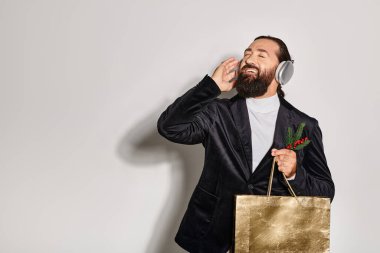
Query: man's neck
x=263, y=105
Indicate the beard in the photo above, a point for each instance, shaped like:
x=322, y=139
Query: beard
x=249, y=86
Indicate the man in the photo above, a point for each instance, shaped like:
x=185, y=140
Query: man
x=241, y=137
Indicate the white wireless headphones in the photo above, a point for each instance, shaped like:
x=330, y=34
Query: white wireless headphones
x=284, y=72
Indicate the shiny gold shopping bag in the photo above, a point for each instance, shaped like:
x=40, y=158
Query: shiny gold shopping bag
x=281, y=223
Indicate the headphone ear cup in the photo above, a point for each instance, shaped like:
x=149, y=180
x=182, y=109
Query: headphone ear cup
x=284, y=72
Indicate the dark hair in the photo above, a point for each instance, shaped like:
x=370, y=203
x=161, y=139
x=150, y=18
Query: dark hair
x=282, y=55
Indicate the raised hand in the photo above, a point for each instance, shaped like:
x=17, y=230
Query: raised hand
x=226, y=73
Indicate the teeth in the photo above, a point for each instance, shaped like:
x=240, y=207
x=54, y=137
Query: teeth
x=252, y=70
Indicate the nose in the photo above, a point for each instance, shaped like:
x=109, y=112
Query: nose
x=251, y=60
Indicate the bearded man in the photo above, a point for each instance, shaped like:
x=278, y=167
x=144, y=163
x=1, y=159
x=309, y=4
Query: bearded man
x=241, y=136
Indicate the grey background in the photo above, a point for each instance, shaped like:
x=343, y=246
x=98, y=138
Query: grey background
x=82, y=168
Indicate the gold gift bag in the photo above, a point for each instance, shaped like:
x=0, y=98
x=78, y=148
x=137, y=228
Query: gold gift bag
x=281, y=223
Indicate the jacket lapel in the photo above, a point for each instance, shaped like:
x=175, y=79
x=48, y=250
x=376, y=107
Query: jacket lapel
x=284, y=119
x=240, y=114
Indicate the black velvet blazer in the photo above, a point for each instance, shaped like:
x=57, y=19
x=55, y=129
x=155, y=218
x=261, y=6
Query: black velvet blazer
x=223, y=128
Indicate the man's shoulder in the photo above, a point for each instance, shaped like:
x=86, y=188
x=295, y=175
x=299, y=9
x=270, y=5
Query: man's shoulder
x=227, y=100
x=222, y=101
x=299, y=115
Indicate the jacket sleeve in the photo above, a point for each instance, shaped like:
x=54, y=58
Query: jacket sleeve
x=313, y=177
x=188, y=119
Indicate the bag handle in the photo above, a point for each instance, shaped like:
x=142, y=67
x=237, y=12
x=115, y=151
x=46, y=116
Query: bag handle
x=271, y=180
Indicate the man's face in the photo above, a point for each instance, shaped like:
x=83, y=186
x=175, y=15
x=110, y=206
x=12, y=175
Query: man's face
x=257, y=68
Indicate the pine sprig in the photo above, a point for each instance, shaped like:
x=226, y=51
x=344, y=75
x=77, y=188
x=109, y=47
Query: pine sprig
x=289, y=137
x=299, y=131
x=294, y=142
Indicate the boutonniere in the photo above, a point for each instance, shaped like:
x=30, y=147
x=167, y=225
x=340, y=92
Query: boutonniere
x=294, y=142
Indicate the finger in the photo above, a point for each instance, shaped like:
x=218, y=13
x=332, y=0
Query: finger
x=283, y=151
x=280, y=156
x=233, y=76
x=289, y=159
x=231, y=70
x=230, y=74
x=284, y=168
x=281, y=168
x=232, y=67
x=233, y=81
x=232, y=64
x=228, y=61
x=287, y=173
x=285, y=163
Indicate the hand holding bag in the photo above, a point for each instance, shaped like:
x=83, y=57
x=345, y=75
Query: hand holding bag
x=281, y=223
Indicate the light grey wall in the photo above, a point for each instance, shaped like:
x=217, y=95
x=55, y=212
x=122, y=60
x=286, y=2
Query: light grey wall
x=82, y=167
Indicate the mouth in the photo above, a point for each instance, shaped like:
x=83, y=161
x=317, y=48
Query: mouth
x=251, y=71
